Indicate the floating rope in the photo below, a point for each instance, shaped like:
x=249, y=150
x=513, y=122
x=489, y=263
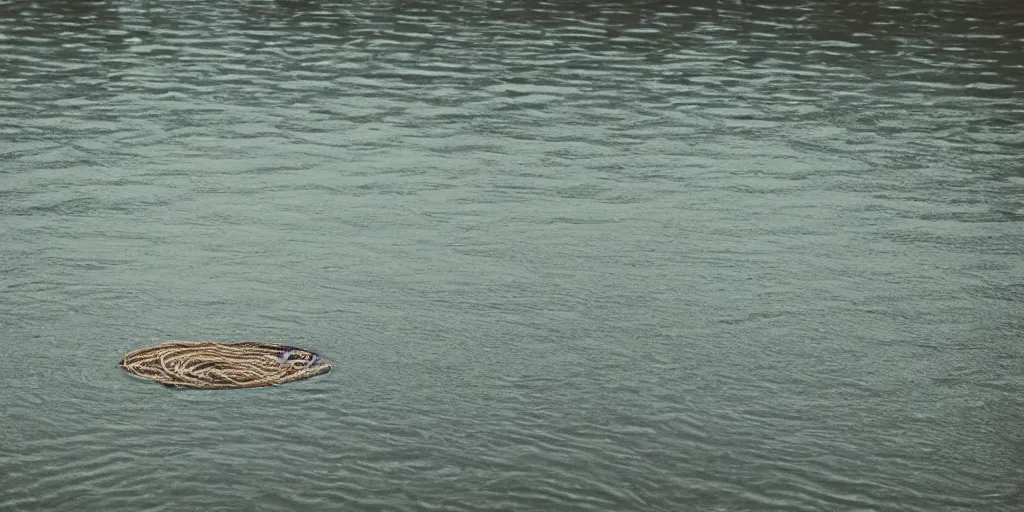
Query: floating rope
x=212, y=365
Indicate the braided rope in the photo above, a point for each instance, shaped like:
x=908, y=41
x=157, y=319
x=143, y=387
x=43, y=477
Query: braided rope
x=212, y=365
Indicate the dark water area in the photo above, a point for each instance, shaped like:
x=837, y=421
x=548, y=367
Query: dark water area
x=594, y=256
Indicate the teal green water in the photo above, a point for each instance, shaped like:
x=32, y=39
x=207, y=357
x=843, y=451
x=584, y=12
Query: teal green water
x=564, y=256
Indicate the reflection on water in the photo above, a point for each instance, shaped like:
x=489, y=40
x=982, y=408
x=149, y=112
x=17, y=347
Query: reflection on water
x=711, y=255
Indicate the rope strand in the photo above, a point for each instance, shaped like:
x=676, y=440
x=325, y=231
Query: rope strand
x=212, y=365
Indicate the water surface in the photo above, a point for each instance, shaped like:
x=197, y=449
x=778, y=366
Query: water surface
x=564, y=255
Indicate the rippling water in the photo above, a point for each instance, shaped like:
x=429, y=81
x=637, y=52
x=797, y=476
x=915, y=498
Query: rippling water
x=565, y=255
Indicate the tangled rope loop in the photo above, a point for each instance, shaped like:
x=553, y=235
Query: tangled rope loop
x=213, y=365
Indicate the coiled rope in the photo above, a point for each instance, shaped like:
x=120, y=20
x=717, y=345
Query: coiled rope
x=213, y=365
